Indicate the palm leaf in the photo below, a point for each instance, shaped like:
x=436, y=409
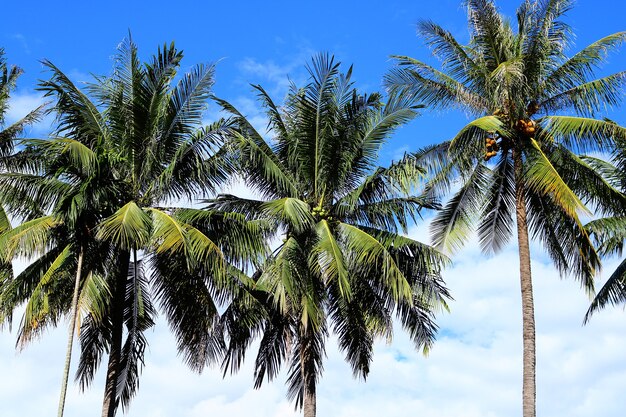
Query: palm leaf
x=129, y=227
x=612, y=292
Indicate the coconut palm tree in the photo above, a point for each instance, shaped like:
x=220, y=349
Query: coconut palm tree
x=126, y=145
x=152, y=131
x=535, y=108
x=67, y=184
x=343, y=265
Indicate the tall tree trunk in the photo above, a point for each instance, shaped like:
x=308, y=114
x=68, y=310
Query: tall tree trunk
x=117, y=324
x=308, y=374
x=70, y=338
x=310, y=402
x=529, y=391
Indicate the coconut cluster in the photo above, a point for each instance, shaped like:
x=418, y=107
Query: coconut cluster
x=528, y=127
x=321, y=213
x=491, y=147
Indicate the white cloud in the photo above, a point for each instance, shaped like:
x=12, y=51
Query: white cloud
x=22, y=103
x=22, y=40
x=474, y=369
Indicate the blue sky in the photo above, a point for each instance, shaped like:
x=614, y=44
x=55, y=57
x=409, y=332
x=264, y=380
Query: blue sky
x=475, y=367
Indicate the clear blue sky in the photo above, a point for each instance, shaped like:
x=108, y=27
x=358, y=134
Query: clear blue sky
x=474, y=369
x=261, y=42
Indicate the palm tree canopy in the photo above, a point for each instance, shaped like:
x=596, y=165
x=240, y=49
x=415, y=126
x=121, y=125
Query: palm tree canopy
x=342, y=265
x=530, y=99
x=123, y=148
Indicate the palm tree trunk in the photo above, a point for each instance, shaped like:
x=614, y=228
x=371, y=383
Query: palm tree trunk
x=308, y=378
x=70, y=338
x=117, y=323
x=310, y=402
x=528, y=310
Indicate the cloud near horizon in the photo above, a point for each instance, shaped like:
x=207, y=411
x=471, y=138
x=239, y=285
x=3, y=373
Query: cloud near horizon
x=473, y=370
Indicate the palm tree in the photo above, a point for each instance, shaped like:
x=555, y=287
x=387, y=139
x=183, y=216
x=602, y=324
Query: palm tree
x=150, y=131
x=343, y=265
x=128, y=144
x=535, y=109
x=67, y=185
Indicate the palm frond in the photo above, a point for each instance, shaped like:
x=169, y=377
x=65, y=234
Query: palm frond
x=452, y=225
x=367, y=250
x=29, y=239
x=329, y=258
x=609, y=233
x=129, y=227
x=292, y=212
x=613, y=292
x=496, y=225
x=542, y=178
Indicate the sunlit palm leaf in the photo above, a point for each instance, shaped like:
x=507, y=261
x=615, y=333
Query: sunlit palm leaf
x=129, y=227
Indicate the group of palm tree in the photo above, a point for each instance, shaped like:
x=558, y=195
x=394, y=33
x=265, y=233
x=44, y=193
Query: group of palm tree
x=323, y=249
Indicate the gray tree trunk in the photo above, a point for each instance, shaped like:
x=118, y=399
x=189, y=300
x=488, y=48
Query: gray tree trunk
x=115, y=354
x=70, y=338
x=310, y=402
x=529, y=393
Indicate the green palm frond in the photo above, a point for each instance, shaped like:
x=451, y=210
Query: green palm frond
x=452, y=225
x=189, y=308
x=609, y=172
x=93, y=297
x=579, y=67
x=613, y=292
x=329, y=257
x=168, y=234
x=303, y=373
x=564, y=239
x=291, y=211
x=496, y=224
x=39, y=310
x=188, y=101
x=284, y=274
x=353, y=325
x=366, y=250
x=241, y=241
x=391, y=213
x=609, y=233
x=430, y=86
x=273, y=112
x=77, y=116
x=470, y=139
x=95, y=340
x=456, y=58
x=197, y=166
x=29, y=239
x=5, y=223
x=542, y=178
x=588, y=181
x=129, y=227
x=173, y=237
x=28, y=196
x=589, y=98
x=10, y=133
x=264, y=171
x=580, y=133
x=79, y=154
x=138, y=317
